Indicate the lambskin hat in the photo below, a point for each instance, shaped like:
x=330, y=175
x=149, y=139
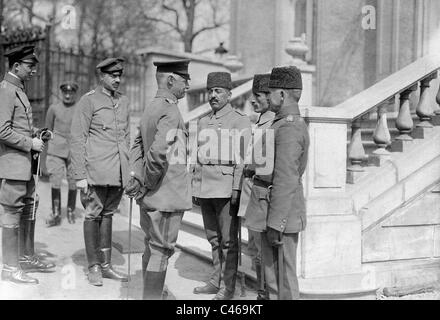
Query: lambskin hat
x=261, y=83
x=21, y=53
x=286, y=78
x=111, y=65
x=219, y=79
x=179, y=67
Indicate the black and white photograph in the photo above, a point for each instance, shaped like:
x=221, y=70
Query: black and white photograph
x=220, y=150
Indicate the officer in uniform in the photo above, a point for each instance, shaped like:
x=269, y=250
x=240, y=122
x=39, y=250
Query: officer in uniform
x=286, y=216
x=217, y=180
x=161, y=182
x=100, y=141
x=58, y=120
x=19, y=141
x=256, y=206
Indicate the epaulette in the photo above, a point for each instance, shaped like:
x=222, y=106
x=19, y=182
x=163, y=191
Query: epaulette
x=291, y=118
x=90, y=92
x=241, y=113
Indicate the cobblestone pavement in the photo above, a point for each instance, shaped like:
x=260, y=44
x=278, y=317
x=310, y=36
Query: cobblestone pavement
x=64, y=245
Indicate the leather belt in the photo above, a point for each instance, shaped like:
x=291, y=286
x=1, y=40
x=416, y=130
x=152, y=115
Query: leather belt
x=261, y=183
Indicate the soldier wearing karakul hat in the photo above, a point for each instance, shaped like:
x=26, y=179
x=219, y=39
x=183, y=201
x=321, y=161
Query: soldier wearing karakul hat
x=161, y=181
x=217, y=183
x=100, y=140
x=19, y=141
x=58, y=162
x=286, y=215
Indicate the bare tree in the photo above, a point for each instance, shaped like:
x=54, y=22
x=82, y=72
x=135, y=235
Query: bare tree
x=183, y=17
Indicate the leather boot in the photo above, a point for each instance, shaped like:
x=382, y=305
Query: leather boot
x=106, y=251
x=11, y=268
x=262, y=294
x=153, y=285
x=55, y=217
x=91, y=240
x=29, y=261
x=71, y=205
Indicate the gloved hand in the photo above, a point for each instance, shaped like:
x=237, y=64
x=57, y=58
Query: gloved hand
x=274, y=237
x=133, y=187
x=235, y=198
x=196, y=201
x=248, y=171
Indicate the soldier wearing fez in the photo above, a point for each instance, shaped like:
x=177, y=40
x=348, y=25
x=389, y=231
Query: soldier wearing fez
x=255, y=207
x=58, y=120
x=100, y=139
x=161, y=181
x=217, y=182
x=286, y=215
x=19, y=142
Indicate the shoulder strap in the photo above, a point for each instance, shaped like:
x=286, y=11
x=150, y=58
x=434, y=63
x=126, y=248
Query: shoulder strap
x=25, y=111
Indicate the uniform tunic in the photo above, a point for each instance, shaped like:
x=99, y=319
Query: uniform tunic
x=100, y=136
x=59, y=120
x=159, y=160
x=16, y=133
x=286, y=209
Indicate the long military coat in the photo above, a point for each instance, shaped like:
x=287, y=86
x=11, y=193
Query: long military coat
x=100, y=139
x=159, y=156
x=218, y=171
x=287, y=208
x=59, y=120
x=16, y=130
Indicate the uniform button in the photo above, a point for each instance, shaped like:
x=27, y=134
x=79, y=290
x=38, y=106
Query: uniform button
x=284, y=220
x=282, y=227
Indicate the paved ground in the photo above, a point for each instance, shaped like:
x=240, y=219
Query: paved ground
x=64, y=245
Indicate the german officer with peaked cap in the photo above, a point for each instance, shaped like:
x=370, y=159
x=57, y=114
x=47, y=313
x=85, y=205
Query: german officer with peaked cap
x=161, y=181
x=217, y=182
x=286, y=215
x=100, y=140
x=19, y=140
x=59, y=120
x=256, y=207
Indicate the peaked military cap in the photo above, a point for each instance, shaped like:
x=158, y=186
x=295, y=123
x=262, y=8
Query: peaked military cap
x=69, y=85
x=219, y=79
x=261, y=83
x=21, y=53
x=286, y=78
x=111, y=65
x=179, y=67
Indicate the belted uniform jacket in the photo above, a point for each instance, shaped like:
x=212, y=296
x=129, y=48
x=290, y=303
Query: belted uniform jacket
x=100, y=139
x=220, y=154
x=16, y=130
x=59, y=120
x=287, y=208
x=159, y=156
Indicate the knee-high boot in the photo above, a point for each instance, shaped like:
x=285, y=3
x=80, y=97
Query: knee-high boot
x=11, y=268
x=106, y=251
x=71, y=205
x=55, y=218
x=153, y=285
x=91, y=240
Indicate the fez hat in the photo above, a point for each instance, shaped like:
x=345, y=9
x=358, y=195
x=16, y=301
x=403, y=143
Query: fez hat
x=286, y=78
x=69, y=85
x=21, y=53
x=219, y=79
x=111, y=65
x=261, y=83
x=179, y=67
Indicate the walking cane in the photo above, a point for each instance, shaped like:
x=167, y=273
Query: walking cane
x=280, y=268
x=37, y=179
x=130, y=215
x=242, y=275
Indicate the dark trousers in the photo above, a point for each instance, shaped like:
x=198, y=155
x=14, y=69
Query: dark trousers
x=289, y=289
x=101, y=201
x=221, y=227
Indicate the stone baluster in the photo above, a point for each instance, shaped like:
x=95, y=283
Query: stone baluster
x=356, y=152
x=436, y=118
x=381, y=136
x=424, y=108
x=404, y=122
